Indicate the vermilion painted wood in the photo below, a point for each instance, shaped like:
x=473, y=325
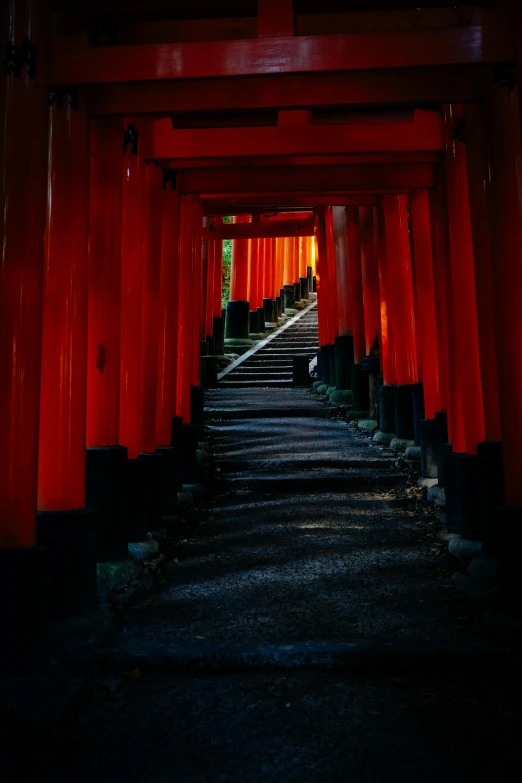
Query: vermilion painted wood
x=259, y=269
x=344, y=309
x=63, y=397
x=333, y=318
x=387, y=345
x=423, y=134
x=252, y=273
x=196, y=252
x=356, y=285
x=185, y=309
x=104, y=273
x=379, y=178
x=267, y=283
x=370, y=277
x=275, y=18
x=288, y=271
x=295, y=54
x=420, y=86
x=476, y=159
x=23, y=151
x=150, y=291
x=425, y=312
x=168, y=314
x=263, y=229
x=443, y=299
x=322, y=277
x=279, y=265
x=505, y=205
x=239, y=261
x=303, y=257
x=211, y=275
x=343, y=159
x=218, y=280
x=131, y=296
x=400, y=288
x=244, y=204
x=463, y=288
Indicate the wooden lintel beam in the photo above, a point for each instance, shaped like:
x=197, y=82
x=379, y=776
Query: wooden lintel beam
x=303, y=160
x=422, y=86
x=378, y=178
x=248, y=204
x=423, y=134
x=303, y=227
x=294, y=54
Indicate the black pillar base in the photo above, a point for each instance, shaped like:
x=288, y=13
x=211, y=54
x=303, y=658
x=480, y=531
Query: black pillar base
x=144, y=509
x=508, y=525
x=428, y=444
x=203, y=348
x=268, y=307
x=443, y=448
x=279, y=304
x=418, y=411
x=304, y=287
x=462, y=504
x=254, y=322
x=70, y=540
x=325, y=363
x=343, y=361
x=318, y=367
x=169, y=477
x=314, y=284
x=177, y=423
x=403, y=402
x=218, y=331
x=490, y=492
x=360, y=387
x=289, y=296
x=236, y=321
x=24, y=610
x=211, y=345
x=331, y=359
x=301, y=373
x=297, y=288
x=197, y=407
x=187, y=446
x=106, y=493
x=261, y=318
x=208, y=371
x=310, y=277
x=282, y=295
x=387, y=409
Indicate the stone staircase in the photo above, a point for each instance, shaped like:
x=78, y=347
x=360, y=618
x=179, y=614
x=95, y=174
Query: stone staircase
x=270, y=362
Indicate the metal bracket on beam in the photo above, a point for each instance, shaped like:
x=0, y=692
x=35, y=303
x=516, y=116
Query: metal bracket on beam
x=131, y=136
x=459, y=129
x=59, y=95
x=16, y=56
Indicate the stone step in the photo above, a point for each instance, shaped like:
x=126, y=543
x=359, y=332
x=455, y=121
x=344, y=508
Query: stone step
x=310, y=481
x=235, y=467
x=254, y=384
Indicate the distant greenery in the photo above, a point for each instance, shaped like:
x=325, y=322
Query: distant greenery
x=227, y=257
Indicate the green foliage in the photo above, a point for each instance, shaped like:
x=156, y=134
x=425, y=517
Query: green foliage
x=227, y=257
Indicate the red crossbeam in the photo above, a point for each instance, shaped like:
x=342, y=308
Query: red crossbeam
x=261, y=229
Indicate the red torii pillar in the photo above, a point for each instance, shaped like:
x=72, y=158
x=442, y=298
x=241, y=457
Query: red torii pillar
x=370, y=296
x=460, y=479
x=360, y=379
x=65, y=525
x=387, y=341
x=106, y=459
x=239, y=264
x=168, y=311
x=401, y=311
x=326, y=294
x=426, y=330
x=343, y=342
x=23, y=151
x=217, y=296
x=505, y=209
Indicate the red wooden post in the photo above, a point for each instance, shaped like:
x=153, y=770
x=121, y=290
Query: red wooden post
x=400, y=285
x=63, y=399
x=505, y=205
x=253, y=273
x=325, y=333
x=239, y=264
x=131, y=288
x=344, y=305
x=211, y=279
x=24, y=158
x=218, y=280
x=150, y=285
x=103, y=349
x=267, y=265
x=168, y=313
x=463, y=286
x=356, y=288
x=426, y=313
x=370, y=277
x=476, y=158
x=196, y=222
x=205, y=268
x=288, y=271
x=387, y=341
x=333, y=318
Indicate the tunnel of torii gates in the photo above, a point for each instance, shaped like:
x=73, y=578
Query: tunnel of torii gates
x=409, y=217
